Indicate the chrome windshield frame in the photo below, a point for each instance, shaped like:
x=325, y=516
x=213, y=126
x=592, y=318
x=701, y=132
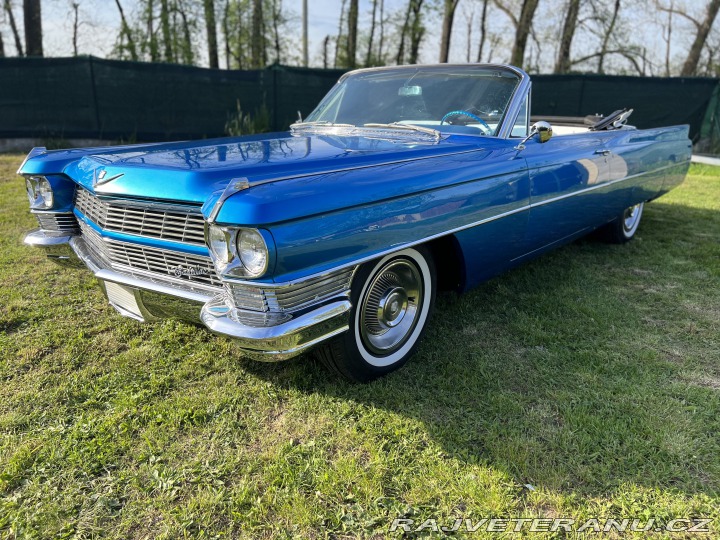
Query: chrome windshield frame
x=512, y=110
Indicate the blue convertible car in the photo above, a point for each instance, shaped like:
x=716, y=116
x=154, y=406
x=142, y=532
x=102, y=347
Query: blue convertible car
x=335, y=236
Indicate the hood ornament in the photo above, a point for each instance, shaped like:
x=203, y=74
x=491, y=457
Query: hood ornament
x=100, y=177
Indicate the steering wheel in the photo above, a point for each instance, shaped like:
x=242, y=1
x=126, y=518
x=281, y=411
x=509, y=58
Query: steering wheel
x=452, y=114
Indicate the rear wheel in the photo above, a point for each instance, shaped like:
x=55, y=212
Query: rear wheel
x=623, y=228
x=392, y=300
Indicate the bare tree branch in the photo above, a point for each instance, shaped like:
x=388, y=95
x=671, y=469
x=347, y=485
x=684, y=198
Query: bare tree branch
x=673, y=11
x=13, y=28
x=507, y=11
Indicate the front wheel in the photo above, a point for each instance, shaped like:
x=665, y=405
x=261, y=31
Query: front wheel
x=623, y=228
x=392, y=300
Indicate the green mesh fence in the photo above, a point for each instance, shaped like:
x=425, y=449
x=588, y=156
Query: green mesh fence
x=92, y=98
x=106, y=99
x=655, y=101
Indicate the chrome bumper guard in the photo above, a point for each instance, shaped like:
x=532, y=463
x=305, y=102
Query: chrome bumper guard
x=145, y=299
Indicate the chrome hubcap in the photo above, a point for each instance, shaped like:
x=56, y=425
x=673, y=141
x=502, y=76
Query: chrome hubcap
x=631, y=216
x=389, y=311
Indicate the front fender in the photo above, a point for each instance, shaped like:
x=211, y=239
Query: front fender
x=469, y=192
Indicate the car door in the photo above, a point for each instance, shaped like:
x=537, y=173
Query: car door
x=569, y=177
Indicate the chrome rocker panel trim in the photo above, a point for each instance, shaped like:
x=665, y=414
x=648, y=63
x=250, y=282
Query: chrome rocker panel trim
x=158, y=301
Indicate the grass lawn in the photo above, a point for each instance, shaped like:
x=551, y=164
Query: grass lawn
x=591, y=374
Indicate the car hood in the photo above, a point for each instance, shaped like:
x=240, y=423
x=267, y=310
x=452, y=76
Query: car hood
x=192, y=172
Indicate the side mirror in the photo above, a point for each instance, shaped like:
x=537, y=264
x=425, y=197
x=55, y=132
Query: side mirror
x=542, y=129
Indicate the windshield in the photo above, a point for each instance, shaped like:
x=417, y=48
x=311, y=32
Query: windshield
x=464, y=99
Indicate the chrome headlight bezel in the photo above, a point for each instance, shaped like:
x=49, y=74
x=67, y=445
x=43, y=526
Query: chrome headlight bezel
x=39, y=192
x=253, y=252
x=224, y=243
x=219, y=242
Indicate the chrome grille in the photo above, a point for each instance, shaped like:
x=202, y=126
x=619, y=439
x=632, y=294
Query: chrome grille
x=167, y=223
x=292, y=297
x=54, y=221
x=161, y=263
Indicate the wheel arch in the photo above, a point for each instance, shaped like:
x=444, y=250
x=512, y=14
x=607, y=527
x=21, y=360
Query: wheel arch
x=449, y=263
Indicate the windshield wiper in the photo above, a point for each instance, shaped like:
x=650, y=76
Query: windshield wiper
x=319, y=123
x=397, y=125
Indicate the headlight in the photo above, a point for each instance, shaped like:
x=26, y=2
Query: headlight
x=237, y=252
x=219, y=245
x=253, y=251
x=39, y=192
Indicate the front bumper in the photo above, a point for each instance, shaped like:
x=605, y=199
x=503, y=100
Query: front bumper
x=145, y=299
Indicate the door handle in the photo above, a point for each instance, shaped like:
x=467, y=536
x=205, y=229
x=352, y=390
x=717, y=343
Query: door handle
x=603, y=152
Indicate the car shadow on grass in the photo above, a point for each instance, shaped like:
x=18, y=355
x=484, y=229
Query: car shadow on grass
x=578, y=372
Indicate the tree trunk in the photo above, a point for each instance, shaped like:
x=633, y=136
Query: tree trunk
x=338, y=41
x=33, y=28
x=468, y=39
x=125, y=30
x=606, y=38
x=226, y=32
x=165, y=25
x=2, y=46
x=75, y=7
x=483, y=30
x=448, y=16
x=276, y=15
x=187, y=50
x=239, y=49
x=381, y=39
x=693, y=57
x=211, y=30
x=400, y=58
x=368, y=56
x=352, y=33
x=14, y=29
x=325, y=51
x=563, y=60
x=306, y=56
x=522, y=31
x=152, y=38
x=257, y=40
x=669, y=39
x=417, y=30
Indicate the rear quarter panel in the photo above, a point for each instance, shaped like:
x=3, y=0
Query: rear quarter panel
x=653, y=160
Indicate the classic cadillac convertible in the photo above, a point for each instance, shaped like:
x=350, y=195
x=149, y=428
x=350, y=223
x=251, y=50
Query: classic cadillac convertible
x=336, y=235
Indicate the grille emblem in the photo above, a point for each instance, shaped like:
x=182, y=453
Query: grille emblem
x=181, y=270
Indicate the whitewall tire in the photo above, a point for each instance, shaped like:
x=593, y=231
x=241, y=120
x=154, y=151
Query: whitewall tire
x=392, y=301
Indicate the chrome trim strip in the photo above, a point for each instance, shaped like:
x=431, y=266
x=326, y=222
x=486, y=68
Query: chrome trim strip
x=513, y=109
x=400, y=247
